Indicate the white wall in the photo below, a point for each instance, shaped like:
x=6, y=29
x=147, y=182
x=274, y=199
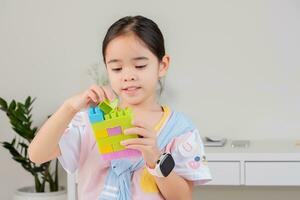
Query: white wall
x=236, y=61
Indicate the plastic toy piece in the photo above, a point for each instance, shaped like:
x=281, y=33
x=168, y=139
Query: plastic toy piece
x=106, y=149
x=108, y=130
x=107, y=106
x=95, y=114
x=114, y=131
x=121, y=154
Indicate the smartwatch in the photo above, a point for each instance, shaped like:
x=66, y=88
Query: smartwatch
x=164, y=165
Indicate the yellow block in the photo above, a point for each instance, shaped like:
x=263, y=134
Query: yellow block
x=101, y=134
x=105, y=149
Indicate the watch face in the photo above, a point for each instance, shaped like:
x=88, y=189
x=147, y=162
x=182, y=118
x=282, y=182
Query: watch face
x=167, y=165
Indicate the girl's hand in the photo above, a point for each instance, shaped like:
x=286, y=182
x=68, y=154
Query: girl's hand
x=146, y=143
x=91, y=97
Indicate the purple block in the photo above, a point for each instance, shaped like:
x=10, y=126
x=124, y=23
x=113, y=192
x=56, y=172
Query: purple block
x=114, y=131
x=121, y=154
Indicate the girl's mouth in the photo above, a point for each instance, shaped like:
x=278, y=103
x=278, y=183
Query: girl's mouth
x=131, y=89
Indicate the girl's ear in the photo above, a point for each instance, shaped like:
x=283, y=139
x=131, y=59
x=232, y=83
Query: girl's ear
x=164, y=66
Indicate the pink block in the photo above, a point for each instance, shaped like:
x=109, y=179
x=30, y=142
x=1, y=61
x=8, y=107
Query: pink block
x=121, y=154
x=114, y=131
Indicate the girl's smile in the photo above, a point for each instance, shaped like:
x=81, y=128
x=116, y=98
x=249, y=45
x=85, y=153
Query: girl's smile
x=131, y=90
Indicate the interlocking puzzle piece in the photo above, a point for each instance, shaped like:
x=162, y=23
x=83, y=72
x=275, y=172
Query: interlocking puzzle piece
x=106, y=149
x=121, y=154
x=107, y=106
x=108, y=130
x=114, y=131
x=95, y=114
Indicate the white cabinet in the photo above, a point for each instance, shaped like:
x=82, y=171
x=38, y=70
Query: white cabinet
x=224, y=173
x=272, y=173
x=263, y=163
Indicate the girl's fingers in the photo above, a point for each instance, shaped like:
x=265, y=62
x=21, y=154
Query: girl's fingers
x=140, y=131
x=138, y=141
x=138, y=123
x=108, y=92
x=90, y=102
x=104, y=92
x=92, y=96
x=137, y=147
x=97, y=90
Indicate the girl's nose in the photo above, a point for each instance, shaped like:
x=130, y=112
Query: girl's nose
x=129, y=76
x=132, y=79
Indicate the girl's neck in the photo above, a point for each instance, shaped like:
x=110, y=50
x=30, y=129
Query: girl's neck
x=150, y=105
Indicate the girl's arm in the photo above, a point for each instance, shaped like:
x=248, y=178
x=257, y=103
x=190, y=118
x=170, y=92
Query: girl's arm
x=44, y=146
x=174, y=187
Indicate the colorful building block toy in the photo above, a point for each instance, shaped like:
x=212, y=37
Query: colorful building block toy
x=108, y=123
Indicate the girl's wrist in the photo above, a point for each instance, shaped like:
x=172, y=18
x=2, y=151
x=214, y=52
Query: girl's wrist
x=69, y=107
x=151, y=164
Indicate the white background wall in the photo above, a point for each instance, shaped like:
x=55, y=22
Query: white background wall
x=235, y=67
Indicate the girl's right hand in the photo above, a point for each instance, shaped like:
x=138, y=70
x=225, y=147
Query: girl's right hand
x=91, y=97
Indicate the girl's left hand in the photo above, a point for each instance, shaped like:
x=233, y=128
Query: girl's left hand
x=146, y=143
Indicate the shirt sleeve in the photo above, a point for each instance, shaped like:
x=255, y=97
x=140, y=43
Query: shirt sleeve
x=70, y=143
x=190, y=161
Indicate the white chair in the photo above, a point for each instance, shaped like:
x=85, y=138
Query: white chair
x=72, y=186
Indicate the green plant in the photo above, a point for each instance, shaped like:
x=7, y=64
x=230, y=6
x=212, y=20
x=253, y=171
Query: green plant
x=19, y=115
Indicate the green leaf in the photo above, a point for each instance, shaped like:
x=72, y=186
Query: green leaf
x=28, y=102
x=13, y=141
x=20, y=159
x=3, y=104
x=24, y=145
x=22, y=109
x=12, y=105
x=24, y=148
x=20, y=115
x=23, y=133
x=34, y=130
x=28, y=106
x=13, y=116
x=11, y=149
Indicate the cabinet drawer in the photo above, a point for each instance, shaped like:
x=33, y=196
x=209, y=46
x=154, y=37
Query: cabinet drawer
x=272, y=173
x=224, y=173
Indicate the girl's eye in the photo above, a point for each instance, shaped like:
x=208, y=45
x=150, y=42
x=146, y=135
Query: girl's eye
x=116, y=69
x=140, y=66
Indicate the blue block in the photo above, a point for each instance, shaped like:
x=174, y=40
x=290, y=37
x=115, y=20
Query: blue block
x=95, y=114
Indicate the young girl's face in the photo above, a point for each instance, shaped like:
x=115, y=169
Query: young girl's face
x=133, y=70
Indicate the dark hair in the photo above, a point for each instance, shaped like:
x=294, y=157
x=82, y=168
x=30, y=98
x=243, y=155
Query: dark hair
x=145, y=29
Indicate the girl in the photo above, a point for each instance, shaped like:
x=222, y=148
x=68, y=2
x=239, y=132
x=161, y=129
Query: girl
x=134, y=55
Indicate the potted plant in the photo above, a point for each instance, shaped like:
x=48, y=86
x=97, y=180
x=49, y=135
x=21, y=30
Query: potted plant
x=45, y=175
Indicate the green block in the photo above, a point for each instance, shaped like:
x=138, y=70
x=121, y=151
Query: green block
x=114, y=139
x=118, y=147
x=106, y=106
